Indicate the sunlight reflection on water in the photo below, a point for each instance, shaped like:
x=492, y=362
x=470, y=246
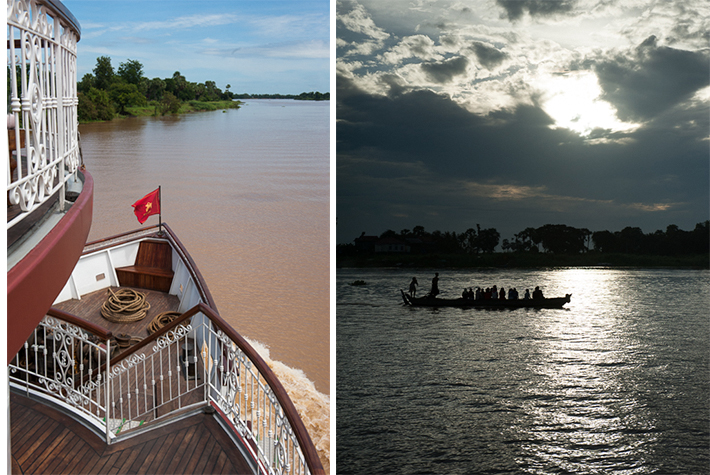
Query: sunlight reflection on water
x=616, y=382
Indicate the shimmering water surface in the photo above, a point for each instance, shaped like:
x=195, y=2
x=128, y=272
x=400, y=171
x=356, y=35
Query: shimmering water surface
x=619, y=382
x=247, y=192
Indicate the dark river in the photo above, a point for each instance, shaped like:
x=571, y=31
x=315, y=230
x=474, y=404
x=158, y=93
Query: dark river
x=247, y=191
x=618, y=382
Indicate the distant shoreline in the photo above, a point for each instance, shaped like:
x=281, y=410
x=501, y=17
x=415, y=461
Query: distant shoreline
x=510, y=260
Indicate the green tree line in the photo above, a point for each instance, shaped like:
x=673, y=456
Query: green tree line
x=108, y=92
x=554, y=239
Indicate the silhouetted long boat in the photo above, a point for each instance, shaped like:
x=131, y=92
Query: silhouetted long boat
x=427, y=301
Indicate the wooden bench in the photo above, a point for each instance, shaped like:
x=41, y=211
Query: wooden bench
x=152, y=269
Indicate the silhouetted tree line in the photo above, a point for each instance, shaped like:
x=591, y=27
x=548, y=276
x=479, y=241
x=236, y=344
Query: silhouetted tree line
x=107, y=92
x=557, y=239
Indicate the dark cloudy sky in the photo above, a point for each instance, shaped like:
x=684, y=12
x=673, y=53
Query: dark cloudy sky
x=519, y=113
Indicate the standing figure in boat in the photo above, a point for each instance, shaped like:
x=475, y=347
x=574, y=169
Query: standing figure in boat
x=413, y=287
x=434, y=285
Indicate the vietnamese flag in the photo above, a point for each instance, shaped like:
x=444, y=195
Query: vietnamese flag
x=147, y=206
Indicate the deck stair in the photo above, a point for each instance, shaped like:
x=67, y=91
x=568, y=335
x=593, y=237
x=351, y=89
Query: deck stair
x=152, y=269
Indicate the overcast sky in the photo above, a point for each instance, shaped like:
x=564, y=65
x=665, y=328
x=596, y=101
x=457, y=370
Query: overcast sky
x=514, y=114
x=256, y=46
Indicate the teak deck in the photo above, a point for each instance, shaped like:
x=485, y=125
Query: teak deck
x=44, y=440
x=89, y=308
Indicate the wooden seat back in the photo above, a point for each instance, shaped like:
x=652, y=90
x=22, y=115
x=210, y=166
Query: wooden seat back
x=157, y=254
x=153, y=268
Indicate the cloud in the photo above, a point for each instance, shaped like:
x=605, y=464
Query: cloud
x=488, y=56
x=514, y=9
x=188, y=21
x=454, y=117
x=419, y=158
x=417, y=46
x=358, y=20
x=649, y=79
x=444, y=71
x=314, y=49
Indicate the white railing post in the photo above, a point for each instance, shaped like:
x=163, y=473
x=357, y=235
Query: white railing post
x=108, y=391
x=58, y=85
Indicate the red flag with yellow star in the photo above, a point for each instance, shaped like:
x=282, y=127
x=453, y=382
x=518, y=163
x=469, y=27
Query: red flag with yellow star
x=147, y=206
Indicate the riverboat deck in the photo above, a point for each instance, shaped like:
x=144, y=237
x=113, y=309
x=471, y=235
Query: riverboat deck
x=89, y=308
x=45, y=440
x=195, y=444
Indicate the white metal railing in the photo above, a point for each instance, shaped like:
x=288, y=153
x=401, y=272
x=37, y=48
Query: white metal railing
x=63, y=360
x=42, y=103
x=192, y=363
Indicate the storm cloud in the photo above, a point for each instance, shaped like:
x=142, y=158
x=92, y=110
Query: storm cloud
x=444, y=71
x=482, y=123
x=514, y=9
x=488, y=56
x=650, y=79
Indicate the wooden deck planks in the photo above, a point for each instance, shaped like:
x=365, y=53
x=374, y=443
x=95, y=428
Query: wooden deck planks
x=205, y=456
x=194, y=454
x=143, y=452
x=192, y=445
x=89, y=308
x=225, y=441
x=82, y=465
x=219, y=464
x=173, y=464
x=67, y=463
x=46, y=450
x=55, y=458
x=167, y=450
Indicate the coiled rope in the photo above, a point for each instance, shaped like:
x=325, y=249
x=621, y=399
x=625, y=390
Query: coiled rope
x=124, y=340
x=161, y=320
x=125, y=305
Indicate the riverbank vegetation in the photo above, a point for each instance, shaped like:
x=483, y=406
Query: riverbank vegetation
x=546, y=246
x=109, y=93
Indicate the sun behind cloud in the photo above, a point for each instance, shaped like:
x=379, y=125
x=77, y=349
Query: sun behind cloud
x=573, y=100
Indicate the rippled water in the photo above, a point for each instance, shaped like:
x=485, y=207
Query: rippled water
x=247, y=192
x=617, y=383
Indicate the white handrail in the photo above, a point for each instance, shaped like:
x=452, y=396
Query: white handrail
x=43, y=102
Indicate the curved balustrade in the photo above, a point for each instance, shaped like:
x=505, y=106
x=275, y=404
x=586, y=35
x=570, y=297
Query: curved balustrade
x=42, y=103
x=198, y=359
x=61, y=359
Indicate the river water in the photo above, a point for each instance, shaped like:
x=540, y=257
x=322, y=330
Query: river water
x=247, y=192
x=618, y=382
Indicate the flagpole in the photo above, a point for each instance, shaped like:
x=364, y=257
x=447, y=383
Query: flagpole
x=160, y=211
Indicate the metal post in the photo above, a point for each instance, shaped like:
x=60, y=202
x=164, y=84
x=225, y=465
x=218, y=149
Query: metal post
x=107, y=391
x=58, y=85
x=160, y=211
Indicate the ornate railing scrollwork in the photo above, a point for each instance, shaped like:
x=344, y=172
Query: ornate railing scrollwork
x=62, y=360
x=42, y=103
